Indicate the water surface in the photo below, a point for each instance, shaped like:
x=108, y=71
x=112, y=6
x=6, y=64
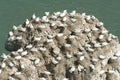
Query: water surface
x=14, y=12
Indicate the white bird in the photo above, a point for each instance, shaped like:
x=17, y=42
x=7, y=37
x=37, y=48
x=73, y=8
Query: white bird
x=78, y=30
x=92, y=66
x=104, y=31
x=37, y=61
x=87, y=30
x=64, y=19
x=79, y=53
x=14, y=27
x=67, y=45
x=49, y=40
x=19, y=37
x=45, y=18
x=80, y=68
x=59, y=34
x=110, y=37
x=113, y=36
x=101, y=23
x=56, y=50
x=0, y=71
x=31, y=26
x=114, y=57
x=93, y=17
x=95, y=29
x=34, y=49
x=3, y=65
x=42, y=49
x=53, y=24
x=65, y=11
x=88, y=18
x=72, y=69
x=94, y=59
x=29, y=46
x=69, y=55
x=111, y=71
x=65, y=79
x=62, y=25
x=54, y=17
x=83, y=21
x=42, y=26
x=17, y=73
x=117, y=54
x=27, y=22
x=104, y=62
x=57, y=13
x=87, y=45
x=97, y=45
x=90, y=50
x=104, y=44
x=12, y=38
x=11, y=33
x=72, y=36
x=50, y=36
x=37, y=19
x=11, y=64
x=24, y=53
x=62, y=14
x=14, y=53
x=101, y=36
x=18, y=57
x=10, y=78
x=83, y=14
x=73, y=19
x=47, y=72
x=89, y=35
x=20, y=50
x=73, y=13
x=59, y=58
x=14, y=62
x=22, y=66
x=101, y=71
x=82, y=58
x=102, y=57
x=37, y=38
x=33, y=16
x=23, y=29
x=47, y=13
x=4, y=56
x=43, y=78
x=54, y=61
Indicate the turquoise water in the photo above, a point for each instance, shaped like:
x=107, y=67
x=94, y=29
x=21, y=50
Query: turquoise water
x=14, y=12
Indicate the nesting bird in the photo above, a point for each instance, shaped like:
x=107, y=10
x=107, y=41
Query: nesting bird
x=14, y=27
x=4, y=56
x=72, y=69
x=33, y=16
x=11, y=33
x=27, y=22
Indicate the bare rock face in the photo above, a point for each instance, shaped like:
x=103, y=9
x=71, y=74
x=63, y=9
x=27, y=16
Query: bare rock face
x=61, y=46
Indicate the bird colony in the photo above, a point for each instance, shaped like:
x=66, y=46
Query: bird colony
x=61, y=46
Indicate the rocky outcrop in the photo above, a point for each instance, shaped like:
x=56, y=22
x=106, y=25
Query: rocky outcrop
x=61, y=46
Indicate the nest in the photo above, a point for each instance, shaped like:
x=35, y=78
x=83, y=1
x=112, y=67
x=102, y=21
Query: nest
x=61, y=46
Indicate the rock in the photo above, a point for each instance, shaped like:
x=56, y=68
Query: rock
x=61, y=46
